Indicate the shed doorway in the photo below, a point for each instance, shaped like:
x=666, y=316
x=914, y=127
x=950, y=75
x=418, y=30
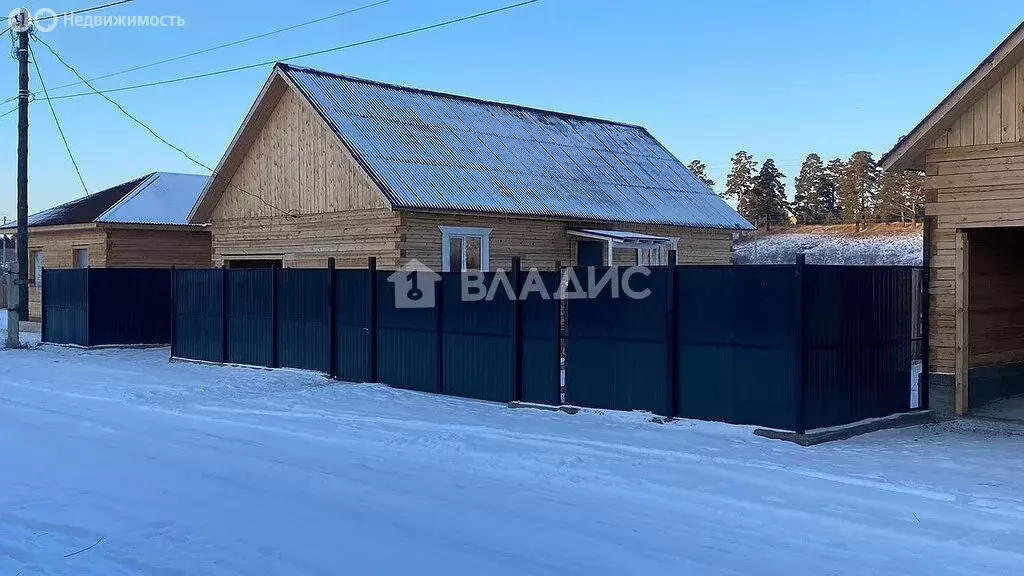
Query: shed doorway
x=989, y=317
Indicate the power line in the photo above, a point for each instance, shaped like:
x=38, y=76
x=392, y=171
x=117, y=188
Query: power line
x=56, y=121
x=84, y=10
x=228, y=44
x=213, y=173
x=306, y=55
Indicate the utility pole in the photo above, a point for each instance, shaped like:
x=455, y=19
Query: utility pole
x=21, y=23
x=23, y=262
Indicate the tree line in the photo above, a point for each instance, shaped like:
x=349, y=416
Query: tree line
x=853, y=191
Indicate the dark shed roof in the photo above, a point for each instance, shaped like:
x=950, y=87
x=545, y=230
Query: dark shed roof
x=434, y=151
x=83, y=210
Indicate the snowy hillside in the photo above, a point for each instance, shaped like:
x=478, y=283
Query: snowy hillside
x=881, y=245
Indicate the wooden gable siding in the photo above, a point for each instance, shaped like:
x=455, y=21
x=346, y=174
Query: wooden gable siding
x=997, y=117
x=297, y=166
x=315, y=201
x=158, y=248
x=540, y=243
x=969, y=188
x=308, y=241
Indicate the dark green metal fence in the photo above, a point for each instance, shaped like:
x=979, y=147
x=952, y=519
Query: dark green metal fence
x=106, y=306
x=790, y=347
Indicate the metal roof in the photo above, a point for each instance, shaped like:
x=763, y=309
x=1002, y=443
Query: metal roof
x=162, y=198
x=156, y=198
x=435, y=151
x=621, y=236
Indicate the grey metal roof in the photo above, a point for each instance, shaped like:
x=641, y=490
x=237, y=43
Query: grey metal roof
x=435, y=151
x=621, y=236
x=157, y=198
x=163, y=198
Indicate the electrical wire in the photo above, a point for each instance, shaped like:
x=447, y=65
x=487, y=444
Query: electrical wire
x=56, y=120
x=305, y=55
x=84, y=10
x=228, y=44
x=213, y=173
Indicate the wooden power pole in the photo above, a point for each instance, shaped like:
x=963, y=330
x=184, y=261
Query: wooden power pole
x=23, y=262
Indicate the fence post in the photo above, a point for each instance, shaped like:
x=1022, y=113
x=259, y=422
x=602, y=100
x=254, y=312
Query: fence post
x=439, y=328
x=275, y=344
x=174, y=306
x=800, y=383
x=88, y=304
x=371, y=269
x=558, y=331
x=517, y=331
x=224, y=315
x=42, y=306
x=332, y=321
x=926, y=317
x=673, y=338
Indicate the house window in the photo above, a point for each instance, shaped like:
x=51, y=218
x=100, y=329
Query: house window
x=650, y=256
x=465, y=249
x=81, y=257
x=37, y=267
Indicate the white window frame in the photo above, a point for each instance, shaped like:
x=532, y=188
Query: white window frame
x=38, y=263
x=465, y=232
x=77, y=251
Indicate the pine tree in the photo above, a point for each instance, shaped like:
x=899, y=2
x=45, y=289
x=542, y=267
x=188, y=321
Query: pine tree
x=768, y=197
x=858, y=186
x=740, y=183
x=806, y=200
x=915, y=193
x=893, y=203
x=828, y=191
x=700, y=170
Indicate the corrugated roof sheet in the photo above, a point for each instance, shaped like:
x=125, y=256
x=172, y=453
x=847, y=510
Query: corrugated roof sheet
x=83, y=210
x=157, y=198
x=435, y=151
x=163, y=198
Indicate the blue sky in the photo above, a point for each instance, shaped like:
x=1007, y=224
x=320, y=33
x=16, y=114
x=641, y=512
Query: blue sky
x=779, y=79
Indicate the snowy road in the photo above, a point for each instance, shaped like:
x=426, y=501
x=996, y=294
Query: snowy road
x=179, y=469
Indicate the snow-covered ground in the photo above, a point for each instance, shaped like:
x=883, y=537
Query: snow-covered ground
x=879, y=246
x=181, y=469
x=28, y=338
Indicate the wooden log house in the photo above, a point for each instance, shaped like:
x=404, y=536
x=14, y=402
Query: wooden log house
x=138, y=224
x=971, y=148
x=326, y=165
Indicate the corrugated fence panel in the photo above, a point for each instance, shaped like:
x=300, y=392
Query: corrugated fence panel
x=304, y=319
x=352, y=324
x=737, y=351
x=66, y=306
x=477, y=343
x=129, y=306
x=617, y=350
x=542, y=371
x=250, y=320
x=858, y=340
x=407, y=338
x=198, y=315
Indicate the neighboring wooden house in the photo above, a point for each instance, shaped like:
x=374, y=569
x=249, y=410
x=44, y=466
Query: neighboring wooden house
x=332, y=166
x=141, y=223
x=971, y=148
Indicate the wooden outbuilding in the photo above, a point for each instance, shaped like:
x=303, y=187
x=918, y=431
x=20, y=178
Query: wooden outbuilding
x=138, y=224
x=971, y=148
x=326, y=165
